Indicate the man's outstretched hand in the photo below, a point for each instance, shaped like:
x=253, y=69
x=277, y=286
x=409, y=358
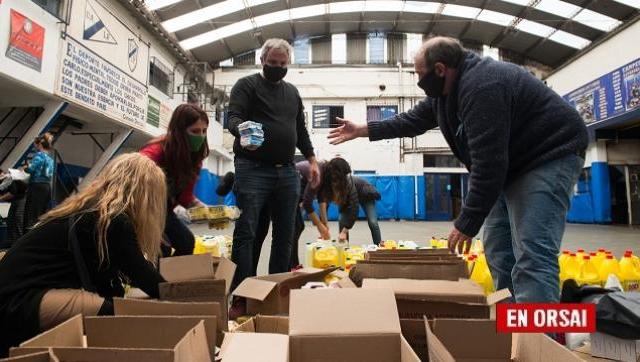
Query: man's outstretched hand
x=347, y=131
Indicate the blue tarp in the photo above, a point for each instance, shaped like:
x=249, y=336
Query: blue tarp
x=600, y=192
x=205, y=189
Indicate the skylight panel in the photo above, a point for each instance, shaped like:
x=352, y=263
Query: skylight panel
x=421, y=7
x=202, y=15
x=596, y=20
x=534, y=28
x=217, y=34
x=346, y=7
x=569, y=40
x=558, y=7
x=461, y=11
x=495, y=17
x=157, y=4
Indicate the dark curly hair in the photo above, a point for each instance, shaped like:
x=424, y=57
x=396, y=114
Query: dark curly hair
x=336, y=180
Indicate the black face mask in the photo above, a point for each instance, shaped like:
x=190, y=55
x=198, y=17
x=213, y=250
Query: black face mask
x=432, y=84
x=273, y=74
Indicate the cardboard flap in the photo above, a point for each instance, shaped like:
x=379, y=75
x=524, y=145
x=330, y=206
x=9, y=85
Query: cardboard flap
x=538, y=347
x=123, y=306
x=272, y=324
x=193, y=346
x=225, y=269
x=203, y=290
x=253, y=288
x=473, y=339
x=437, y=351
x=406, y=352
x=187, y=267
x=313, y=312
x=347, y=283
x=463, y=291
x=498, y=296
x=46, y=356
x=301, y=278
x=66, y=334
x=141, y=331
x=264, y=347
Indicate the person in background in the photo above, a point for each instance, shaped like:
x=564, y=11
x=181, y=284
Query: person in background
x=224, y=188
x=524, y=147
x=338, y=187
x=15, y=194
x=367, y=197
x=71, y=262
x=40, y=171
x=180, y=153
x=264, y=173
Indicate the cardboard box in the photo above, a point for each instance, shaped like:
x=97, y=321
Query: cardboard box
x=410, y=252
x=607, y=346
x=584, y=352
x=439, y=298
x=208, y=312
x=264, y=347
x=265, y=324
x=344, y=325
x=47, y=356
x=451, y=340
x=123, y=339
x=198, y=278
x=416, y=335
x=409, y=269
x=269, y=294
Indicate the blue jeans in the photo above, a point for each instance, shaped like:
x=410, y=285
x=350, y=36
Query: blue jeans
x=523, y=231
x=372, y=218
x=256, y=185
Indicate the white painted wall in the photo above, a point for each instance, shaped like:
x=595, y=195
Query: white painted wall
x=43, y=80
x=615, y=52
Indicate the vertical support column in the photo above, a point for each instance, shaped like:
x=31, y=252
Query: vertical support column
x=108, y=153
x=600, y=185
x=52, y=111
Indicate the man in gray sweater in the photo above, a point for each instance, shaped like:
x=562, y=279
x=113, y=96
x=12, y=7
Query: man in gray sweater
x=523, y=146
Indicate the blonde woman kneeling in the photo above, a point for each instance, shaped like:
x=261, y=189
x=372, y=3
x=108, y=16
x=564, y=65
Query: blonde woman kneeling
x=73, y=259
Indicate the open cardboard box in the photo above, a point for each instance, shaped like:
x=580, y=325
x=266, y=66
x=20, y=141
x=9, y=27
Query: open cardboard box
x=608, y=346
x=461, y=340
x=260, y=324
x=439, y=298
x=198, y=278
x=123, y=339
x=269, y=294
x=453, y=269
x=349, y=324
x=208, y=312
x=263, y=347
x=414, y=332
x=440, y=251
x=46, y=356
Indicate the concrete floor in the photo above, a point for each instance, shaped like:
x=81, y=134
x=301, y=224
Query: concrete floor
x=589, y=237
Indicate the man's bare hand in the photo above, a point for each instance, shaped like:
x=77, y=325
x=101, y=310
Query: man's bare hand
x=347, y=131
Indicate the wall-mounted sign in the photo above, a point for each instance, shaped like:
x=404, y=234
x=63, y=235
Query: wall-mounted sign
x=89, y=80
x=26, y=41
x=611, y=95
x=153, y=112
x=99, y=27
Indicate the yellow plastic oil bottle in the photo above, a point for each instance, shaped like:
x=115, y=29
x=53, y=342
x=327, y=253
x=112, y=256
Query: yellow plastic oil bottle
x=471, y=261
x=482, y=275
x=477, y=247
x=579, y=254
x=596, y=260
x=629, y=276
x=563, y=258
x=389, y=244
x=571, y=269
x=588, y=274
x=609, y=266
x=634, y=258
x=433, y=242
x=602, y=252
x=325, y=257
x=198, y=247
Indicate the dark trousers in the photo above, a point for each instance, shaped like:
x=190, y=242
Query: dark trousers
x=15, y=220
x=257, y=185
x=178, y=235
x=38, y=198
x=372, y=219
x=299, y=228
x=261, y=234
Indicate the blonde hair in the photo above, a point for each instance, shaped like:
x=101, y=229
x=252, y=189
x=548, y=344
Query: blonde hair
x=275, y=43
x=131, y=185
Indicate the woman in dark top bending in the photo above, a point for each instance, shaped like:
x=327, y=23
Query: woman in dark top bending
x=72, y=261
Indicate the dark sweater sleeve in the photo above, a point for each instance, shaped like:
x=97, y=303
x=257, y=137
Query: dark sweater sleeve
x=133, y=264
x=304, y=142
x=352, y=206
x=416, y=121
x=239, y=105
x=485, y=114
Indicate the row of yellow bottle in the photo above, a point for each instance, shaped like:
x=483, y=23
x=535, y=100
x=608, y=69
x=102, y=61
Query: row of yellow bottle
x=325, y=254
x=595, y=268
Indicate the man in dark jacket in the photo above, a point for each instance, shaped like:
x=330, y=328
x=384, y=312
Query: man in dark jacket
x=523, y=146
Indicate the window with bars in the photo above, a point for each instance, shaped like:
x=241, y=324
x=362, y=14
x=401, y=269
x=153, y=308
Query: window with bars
x=325, y=116
x=161, y=77
x=378, y=113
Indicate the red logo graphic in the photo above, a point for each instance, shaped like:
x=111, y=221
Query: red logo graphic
x=545, y=318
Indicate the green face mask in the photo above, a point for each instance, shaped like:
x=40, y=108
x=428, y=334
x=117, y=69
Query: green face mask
x=195, y=142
